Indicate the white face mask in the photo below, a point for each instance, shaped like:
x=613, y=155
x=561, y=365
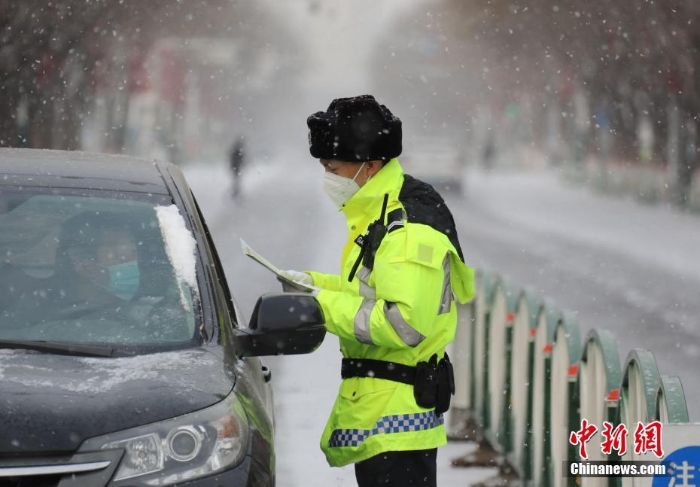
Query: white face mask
x=339, y=188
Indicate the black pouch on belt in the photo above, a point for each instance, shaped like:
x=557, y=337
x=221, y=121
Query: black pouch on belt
x=426, y=384
x=445, y=386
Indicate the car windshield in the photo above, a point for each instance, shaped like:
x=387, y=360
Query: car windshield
x=95, y=268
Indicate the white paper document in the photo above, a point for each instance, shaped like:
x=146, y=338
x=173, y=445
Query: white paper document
x=248, y=250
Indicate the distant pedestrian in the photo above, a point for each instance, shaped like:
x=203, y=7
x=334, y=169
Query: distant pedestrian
x=489, y=153
x=236, y=163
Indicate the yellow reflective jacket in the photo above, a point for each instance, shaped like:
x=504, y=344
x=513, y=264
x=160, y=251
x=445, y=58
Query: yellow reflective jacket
x=401, y=311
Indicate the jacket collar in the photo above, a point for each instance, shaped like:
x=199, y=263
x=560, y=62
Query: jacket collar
x=368, y=200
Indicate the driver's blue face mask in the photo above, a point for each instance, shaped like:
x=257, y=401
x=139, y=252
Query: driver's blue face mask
x=124, y=279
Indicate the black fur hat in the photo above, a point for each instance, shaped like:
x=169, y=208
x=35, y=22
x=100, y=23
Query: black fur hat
x=355, y=129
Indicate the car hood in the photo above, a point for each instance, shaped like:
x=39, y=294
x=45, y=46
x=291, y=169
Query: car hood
x=54, y=402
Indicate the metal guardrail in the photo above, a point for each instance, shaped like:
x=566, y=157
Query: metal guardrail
x=640, y=384
x=540, y=445
x=670, y=401
x=528, y=379
x=462, y=357
x=521, y=373
x=566, y=353
x=482, y=318
x=498, y=383
x=600, y=376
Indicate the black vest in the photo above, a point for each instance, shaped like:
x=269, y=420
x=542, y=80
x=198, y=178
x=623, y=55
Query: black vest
x=424, y=205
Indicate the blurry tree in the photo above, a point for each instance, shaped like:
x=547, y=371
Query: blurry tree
x=597, y=68
x=51, y=52
x=56, y=56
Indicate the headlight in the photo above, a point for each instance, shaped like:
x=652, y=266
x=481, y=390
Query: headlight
x=180, y=449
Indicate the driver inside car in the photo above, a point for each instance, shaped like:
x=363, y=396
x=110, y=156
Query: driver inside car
x=97, y=259
x=96, y=268
x=112, y=265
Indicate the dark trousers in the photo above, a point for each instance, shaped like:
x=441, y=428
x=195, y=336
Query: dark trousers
x=417, y=468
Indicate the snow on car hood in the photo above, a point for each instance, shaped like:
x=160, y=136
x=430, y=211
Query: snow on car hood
x=54, y=402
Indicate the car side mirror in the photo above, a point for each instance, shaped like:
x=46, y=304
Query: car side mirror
x=282, y=324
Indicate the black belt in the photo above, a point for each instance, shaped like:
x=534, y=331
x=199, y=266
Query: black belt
x=379, y=369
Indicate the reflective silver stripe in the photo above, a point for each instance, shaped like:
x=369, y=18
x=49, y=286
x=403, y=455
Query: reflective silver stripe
x=52, y=469
x=366, y=291
x=409, y=336
x=394, y=224
x=363, y=274
x=362, y=321
x=446, y=300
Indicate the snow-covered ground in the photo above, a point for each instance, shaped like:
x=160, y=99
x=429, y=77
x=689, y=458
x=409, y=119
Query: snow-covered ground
x=619, y=265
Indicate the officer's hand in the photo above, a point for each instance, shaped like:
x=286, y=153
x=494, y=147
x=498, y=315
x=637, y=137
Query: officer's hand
x=300, y=277
x=295, y=282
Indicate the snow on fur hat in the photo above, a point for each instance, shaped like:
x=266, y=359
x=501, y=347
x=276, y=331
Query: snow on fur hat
x=355, y=129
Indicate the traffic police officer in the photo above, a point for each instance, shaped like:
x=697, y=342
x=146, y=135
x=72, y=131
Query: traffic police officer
x=393, y=304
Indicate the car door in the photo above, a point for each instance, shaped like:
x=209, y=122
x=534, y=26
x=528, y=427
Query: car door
x=255, y=369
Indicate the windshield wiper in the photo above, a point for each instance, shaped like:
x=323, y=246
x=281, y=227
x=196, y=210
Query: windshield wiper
x=60, y=348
